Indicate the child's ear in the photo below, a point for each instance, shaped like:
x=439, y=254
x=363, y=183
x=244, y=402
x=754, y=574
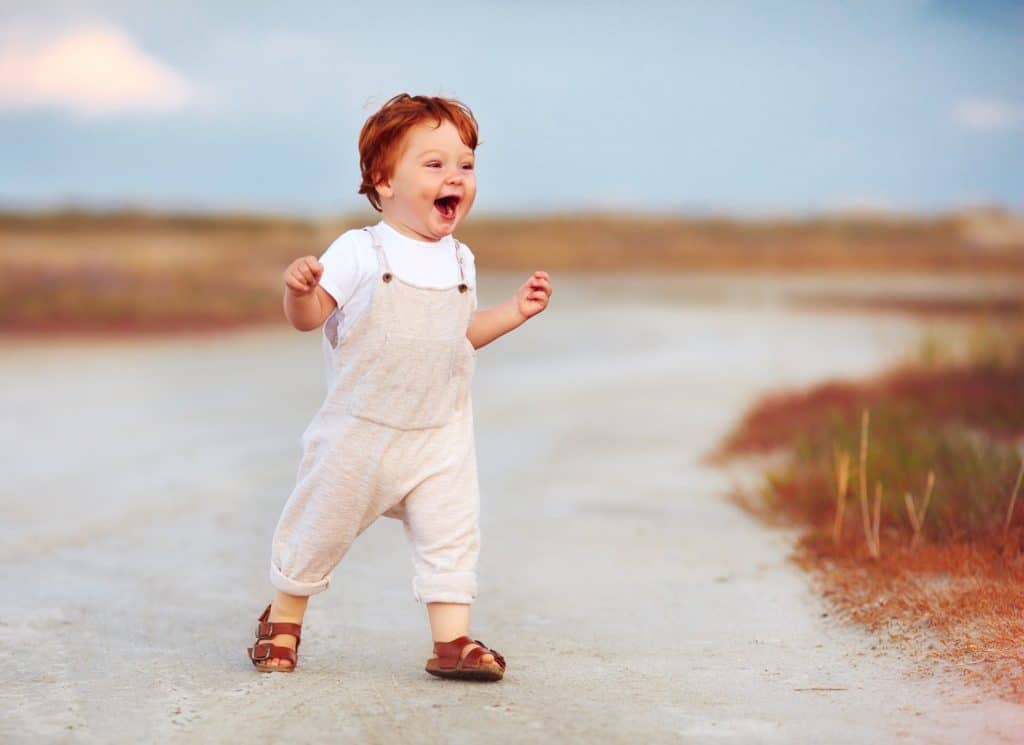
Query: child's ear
x=384, y=189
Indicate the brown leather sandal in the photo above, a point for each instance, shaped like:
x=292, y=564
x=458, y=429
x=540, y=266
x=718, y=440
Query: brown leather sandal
x=450, y=664
x=260, y=653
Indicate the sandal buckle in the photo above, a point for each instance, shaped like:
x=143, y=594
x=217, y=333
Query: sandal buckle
x=266, y=648
x=260, y=633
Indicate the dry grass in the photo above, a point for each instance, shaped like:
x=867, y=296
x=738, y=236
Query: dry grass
x=947, y=244
x=942, y=573
x=958, y=607
x=79, y=271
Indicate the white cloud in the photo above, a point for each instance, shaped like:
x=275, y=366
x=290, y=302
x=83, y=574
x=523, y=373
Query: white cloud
x=91, y=71
x=988, y=115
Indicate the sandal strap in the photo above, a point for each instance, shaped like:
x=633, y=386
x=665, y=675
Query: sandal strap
x=497, y=656
x=268, y=629
x=263, y=652
x=472, y=658
x=449, y=654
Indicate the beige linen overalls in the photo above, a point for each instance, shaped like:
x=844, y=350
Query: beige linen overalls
x=393, y=437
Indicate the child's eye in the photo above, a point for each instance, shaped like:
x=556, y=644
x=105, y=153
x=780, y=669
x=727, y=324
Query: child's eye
x=434, y=164
x=468, y=166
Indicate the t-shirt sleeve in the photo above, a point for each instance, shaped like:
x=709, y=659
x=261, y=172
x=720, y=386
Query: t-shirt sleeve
x=342, y=268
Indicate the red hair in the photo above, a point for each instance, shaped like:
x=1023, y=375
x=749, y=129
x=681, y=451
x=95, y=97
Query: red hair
x=382, y=135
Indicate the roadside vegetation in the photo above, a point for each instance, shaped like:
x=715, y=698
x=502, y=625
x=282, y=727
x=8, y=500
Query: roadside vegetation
x=908, y=490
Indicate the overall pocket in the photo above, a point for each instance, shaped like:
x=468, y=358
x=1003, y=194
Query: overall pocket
x=410, y=386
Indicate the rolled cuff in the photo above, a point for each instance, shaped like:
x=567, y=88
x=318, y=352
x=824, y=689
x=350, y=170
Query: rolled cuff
x=295, y=587
x=449, y=587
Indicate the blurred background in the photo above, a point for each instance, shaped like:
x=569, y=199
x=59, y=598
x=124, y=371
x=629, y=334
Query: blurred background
x=162, y=162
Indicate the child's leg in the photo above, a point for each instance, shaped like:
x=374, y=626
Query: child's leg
x=442, y=522
x=334, y=500
x=336, y=496
x=441, y=517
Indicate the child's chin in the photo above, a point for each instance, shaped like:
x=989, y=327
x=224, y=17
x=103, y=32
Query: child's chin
x=446, y=227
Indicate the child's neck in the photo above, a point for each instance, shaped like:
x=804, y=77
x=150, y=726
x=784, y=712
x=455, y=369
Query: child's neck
x=406, y=231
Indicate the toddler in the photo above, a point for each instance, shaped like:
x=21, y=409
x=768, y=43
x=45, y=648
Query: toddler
x=394, y=435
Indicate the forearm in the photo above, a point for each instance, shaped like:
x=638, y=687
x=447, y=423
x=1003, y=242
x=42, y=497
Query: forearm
x=487, y=325
x=302, y=311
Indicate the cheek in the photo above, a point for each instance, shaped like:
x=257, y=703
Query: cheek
x=429, y=187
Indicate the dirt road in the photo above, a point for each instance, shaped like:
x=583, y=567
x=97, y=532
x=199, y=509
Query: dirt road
x=633, y=603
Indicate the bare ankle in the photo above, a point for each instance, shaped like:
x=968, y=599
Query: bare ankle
x=288, y=607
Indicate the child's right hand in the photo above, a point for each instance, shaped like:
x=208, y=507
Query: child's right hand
x=303, y=275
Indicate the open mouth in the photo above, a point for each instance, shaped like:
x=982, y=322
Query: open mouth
x=446, y=206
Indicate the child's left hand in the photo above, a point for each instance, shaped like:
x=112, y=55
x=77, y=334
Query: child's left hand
x=533, y=296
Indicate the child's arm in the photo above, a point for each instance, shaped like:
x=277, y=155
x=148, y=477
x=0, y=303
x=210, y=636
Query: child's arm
x=529, y=300
x=306, y=303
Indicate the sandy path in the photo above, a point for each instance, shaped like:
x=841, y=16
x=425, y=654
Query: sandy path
x=632, y=602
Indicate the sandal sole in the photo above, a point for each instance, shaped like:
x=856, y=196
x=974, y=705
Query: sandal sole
x=480, y=675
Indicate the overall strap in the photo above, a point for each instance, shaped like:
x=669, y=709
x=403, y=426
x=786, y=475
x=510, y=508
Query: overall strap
x=462, y=275
x=379, y=248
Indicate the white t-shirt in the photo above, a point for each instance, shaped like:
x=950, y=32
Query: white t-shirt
x=352, y=271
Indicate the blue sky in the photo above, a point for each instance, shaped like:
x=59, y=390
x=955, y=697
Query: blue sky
x=743, y=107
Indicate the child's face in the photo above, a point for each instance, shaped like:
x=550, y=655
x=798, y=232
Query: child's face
x=433, y=185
